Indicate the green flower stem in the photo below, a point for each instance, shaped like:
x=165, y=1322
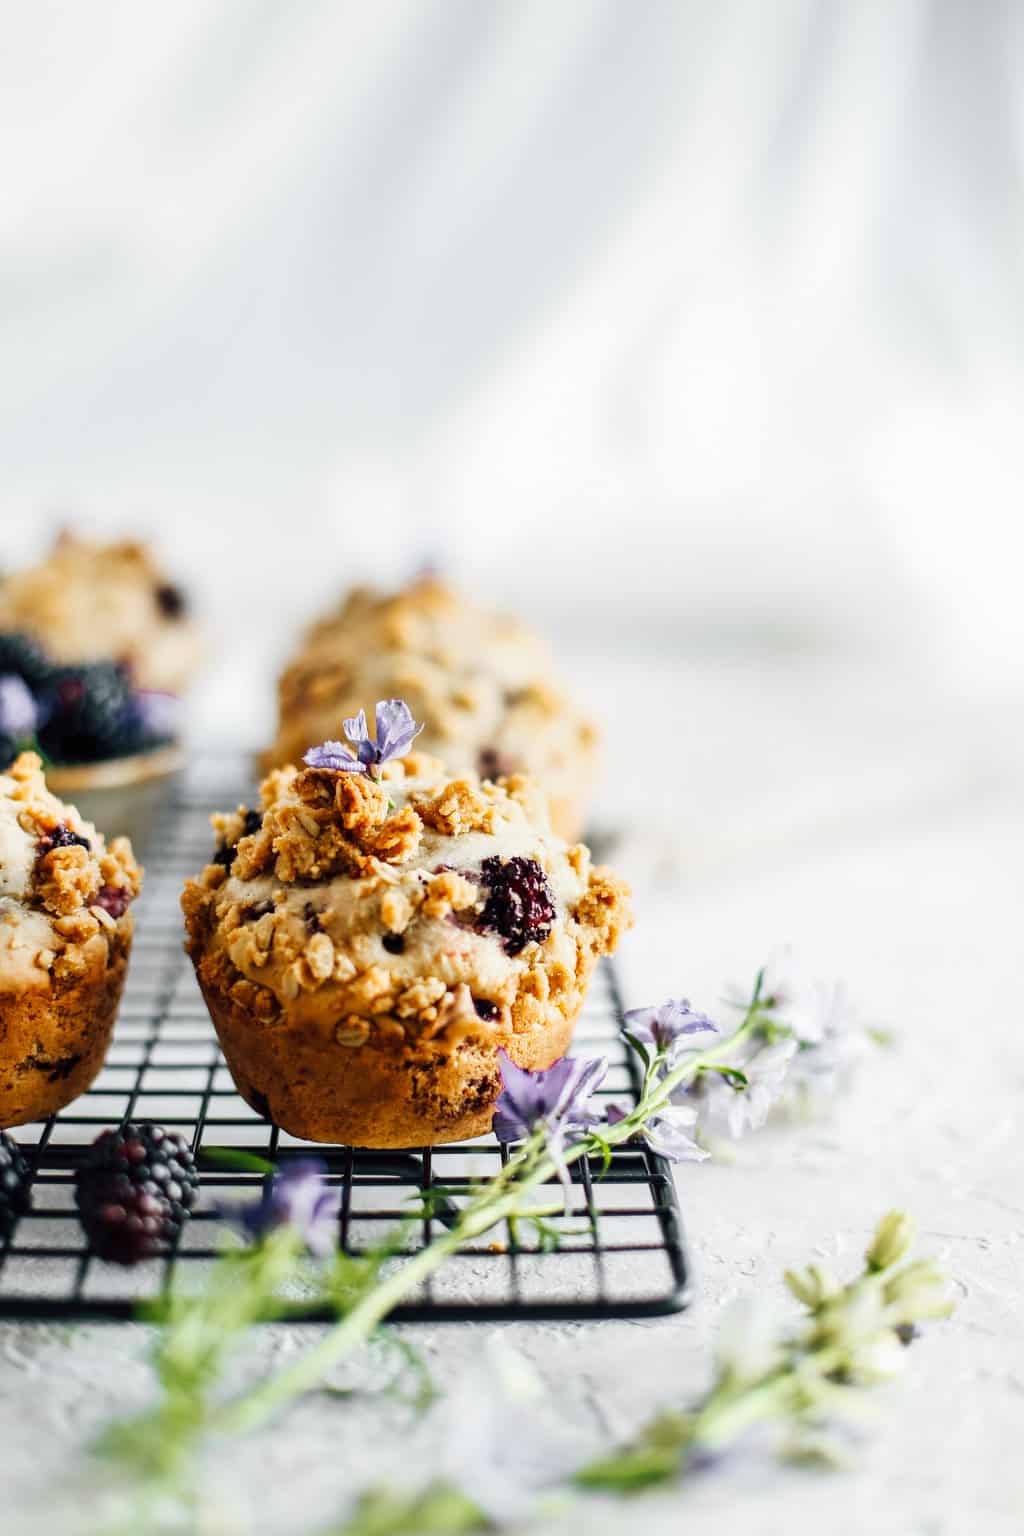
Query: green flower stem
x=499, y=1200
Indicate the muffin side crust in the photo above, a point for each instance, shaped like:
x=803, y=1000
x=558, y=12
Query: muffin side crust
x=65, y=936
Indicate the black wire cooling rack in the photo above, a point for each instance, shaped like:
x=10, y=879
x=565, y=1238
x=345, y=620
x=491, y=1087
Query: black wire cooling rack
x=621, y=1250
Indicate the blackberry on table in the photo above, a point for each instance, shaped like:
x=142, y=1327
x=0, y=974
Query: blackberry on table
x=519, y=903
x=15, y=1185
x=135, y=1192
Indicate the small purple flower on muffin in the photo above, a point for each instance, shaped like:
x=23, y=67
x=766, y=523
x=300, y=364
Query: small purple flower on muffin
x=396, y=732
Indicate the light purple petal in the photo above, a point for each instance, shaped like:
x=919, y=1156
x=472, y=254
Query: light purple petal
x=160, y=713
x=356, y=728
x=18, y=714
x=557, y=1096
x=396, y=729
x=663, y=1025
x=296, y=1197
x=665, y=1135
x=334, y=755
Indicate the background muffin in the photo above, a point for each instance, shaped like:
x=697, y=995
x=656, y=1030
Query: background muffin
x=65, y=936
x=105, y=602
x=366, y=947
x=483, y=682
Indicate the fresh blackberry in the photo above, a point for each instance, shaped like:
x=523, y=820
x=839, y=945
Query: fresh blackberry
x=15, y=1185
x=90, y=715
x=23, y=656
x=519, y=903
x=135, y=1191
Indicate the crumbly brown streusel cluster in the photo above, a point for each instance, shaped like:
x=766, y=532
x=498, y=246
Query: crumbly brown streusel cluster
x=481, y=682
x=365, y=946
x=64, y=893
x=95, y=602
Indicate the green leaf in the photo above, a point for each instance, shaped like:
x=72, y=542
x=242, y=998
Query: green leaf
x=732, y=1075
x=235, y=1160
x=438, y=1510
x=639, y=1047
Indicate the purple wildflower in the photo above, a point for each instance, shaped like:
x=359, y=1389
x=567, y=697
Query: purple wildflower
x=396, y=732
x=731, y=1109
x=296, y=1197
x=664, y=1132
x=661, y=1027
x=556, y=1097
x=18, y=716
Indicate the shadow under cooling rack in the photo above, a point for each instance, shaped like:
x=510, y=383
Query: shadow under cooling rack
x=620, y=1251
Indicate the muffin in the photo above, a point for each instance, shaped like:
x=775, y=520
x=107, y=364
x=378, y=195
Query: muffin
x=65, y=937
x=96, y=602
x=365, y=946
x=483, y=682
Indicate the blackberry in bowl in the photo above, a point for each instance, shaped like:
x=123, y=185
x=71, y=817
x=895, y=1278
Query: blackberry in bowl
x=112, y=746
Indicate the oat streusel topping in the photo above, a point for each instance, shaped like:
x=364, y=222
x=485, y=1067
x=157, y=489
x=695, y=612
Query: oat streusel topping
x=417, y=907
x=64, y=892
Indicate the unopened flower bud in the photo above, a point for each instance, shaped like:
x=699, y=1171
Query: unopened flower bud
x=892, y=1240
x=804, y=1286
x=918, y=1292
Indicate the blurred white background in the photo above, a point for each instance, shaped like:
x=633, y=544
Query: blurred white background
x=694, y=330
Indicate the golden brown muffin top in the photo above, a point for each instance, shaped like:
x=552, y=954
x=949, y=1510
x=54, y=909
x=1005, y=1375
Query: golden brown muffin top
x=412, y=903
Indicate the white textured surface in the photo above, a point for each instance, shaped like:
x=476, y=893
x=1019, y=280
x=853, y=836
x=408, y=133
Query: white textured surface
x=882, y=832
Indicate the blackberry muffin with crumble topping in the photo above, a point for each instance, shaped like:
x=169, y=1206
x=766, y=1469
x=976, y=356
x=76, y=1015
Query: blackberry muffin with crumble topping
x=366, y=944
x=65, y=937
x=483, y=682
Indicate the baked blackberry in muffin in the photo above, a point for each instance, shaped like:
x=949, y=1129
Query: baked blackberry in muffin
x=483, y=683
x=365, y=946
x=65, y=938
